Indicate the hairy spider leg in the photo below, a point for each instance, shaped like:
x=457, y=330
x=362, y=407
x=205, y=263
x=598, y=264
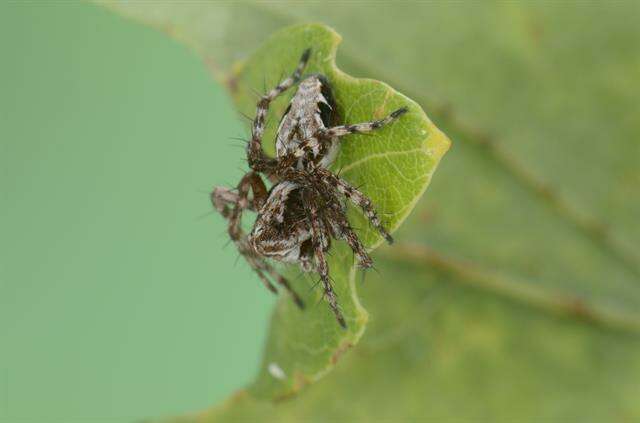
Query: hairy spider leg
x=284, y=282
x=343, y=230
x=221, y=197
x=240, y=203
x=356, y=197
x=317, y=236
x=361, y=128
x=310, y=147
x=257, y=158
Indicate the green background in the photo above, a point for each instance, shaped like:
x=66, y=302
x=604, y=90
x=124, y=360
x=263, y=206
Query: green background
x=111, y=136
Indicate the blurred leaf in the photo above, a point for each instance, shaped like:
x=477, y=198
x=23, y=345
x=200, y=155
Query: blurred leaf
x=516, y=292
x=437, y=350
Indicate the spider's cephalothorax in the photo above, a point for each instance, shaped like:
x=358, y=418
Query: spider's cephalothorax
x=303, y=211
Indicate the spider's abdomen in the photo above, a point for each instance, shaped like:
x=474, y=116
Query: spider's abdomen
x=312, y=108
x=281, y=226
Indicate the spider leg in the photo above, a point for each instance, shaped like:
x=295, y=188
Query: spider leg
x=361, y=128
x=222, y=197
x=249, y=181
x=259, y=265
x=256, y=156
x=318, y=145
x=255, y=263
x=284, y=282
x=344, y=231
x=356, y=197
x=318, y=239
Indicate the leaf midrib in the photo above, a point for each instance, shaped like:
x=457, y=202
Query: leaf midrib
x=521, y=290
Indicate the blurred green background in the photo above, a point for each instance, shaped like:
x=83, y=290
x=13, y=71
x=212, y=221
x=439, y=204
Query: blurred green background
x=119, y=300
x=112, y=134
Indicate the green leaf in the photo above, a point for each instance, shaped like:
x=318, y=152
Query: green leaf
x=393, y=167
x=514, y=293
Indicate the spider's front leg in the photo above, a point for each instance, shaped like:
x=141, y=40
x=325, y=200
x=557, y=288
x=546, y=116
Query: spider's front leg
x=221, y=198
x=361, y=128
x=257, y=158
x=310, y=146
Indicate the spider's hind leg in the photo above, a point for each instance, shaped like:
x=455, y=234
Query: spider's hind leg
x=284, y=282
x=318, y=238
x=342, y=230
x=221, y=199
x=356, y=197
x=346, y=233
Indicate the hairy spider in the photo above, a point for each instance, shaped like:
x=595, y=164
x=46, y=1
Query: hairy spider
x=303, y=210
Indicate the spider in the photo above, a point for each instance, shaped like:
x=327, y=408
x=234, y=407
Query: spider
x=304, y=210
